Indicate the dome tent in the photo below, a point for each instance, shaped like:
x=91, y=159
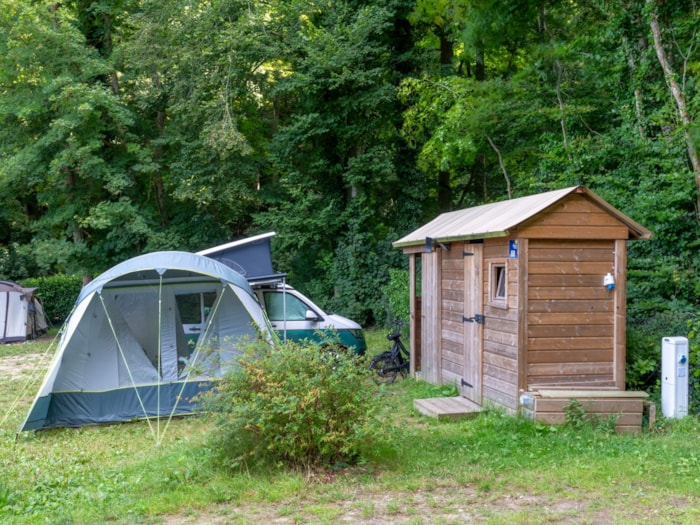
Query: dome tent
x=21, y=313
x=124, y=353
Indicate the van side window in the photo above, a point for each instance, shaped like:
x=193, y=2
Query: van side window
x=274, y=304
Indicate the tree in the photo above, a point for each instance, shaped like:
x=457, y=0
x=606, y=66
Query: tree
x=336, y=147
x=67, y=154
x=683, y=51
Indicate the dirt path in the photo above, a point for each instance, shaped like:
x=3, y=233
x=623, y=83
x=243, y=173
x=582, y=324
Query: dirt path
x=16, y=367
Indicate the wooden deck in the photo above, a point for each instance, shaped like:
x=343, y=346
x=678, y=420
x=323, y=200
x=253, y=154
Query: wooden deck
x=447, y=407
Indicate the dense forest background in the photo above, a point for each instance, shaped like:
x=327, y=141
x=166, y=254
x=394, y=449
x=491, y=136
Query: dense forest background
x=129, y=126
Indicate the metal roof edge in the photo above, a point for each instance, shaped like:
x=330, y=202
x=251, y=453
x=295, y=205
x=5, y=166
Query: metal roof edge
x=233, y=244
x=487, y=235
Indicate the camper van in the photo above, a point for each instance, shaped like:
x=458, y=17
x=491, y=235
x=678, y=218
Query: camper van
x=295, y=317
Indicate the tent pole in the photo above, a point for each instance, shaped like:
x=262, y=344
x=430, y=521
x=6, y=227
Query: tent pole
x=160, y=346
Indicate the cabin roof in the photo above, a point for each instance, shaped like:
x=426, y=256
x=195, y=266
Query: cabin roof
x=499, y=218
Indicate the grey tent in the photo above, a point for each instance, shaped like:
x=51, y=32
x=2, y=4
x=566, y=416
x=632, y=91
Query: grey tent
x=124, y=352
x=21, y=313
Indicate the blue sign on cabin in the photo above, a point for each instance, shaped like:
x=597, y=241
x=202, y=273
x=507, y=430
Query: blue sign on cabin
x=513, y=249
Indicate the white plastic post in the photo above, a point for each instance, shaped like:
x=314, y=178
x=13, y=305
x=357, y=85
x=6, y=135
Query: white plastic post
x=674, y=377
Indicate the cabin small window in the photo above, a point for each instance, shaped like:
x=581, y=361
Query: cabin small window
x=499, y=283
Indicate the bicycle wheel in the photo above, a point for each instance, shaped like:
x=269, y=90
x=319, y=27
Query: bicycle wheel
x=385, y=368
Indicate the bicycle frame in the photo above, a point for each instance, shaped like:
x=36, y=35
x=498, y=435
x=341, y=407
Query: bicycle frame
x=397, y=360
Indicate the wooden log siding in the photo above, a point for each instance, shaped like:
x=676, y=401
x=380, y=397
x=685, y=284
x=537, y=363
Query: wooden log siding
x=570, y=314
x=452, y=326
x=500, y=361
x=574, y=218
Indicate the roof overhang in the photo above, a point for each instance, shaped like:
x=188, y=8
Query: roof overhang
x=499, y=219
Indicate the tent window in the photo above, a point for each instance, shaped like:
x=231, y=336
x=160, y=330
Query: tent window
x=275, y=305
x=195, y=307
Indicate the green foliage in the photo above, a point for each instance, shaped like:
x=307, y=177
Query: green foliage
x=58, y=294
x=134, y=126
x=578, y=418
x=396, y=296
x=294, y=404
x=16, y=262
x=694, y=365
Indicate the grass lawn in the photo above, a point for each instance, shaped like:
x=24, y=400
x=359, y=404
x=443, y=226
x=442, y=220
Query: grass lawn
x=492, y=469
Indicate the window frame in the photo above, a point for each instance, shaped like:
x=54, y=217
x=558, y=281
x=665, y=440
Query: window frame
x=498, y=278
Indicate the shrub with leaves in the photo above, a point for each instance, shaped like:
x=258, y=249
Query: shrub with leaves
x=297, y=404
x=57, y=293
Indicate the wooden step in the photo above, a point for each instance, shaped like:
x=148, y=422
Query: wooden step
x=447, y=407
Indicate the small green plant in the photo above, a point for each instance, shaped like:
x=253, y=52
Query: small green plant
x=296, y=404
x=577, y=418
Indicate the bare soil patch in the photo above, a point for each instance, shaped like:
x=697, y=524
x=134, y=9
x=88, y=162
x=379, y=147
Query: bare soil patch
x=443, y=505
x=18, y=366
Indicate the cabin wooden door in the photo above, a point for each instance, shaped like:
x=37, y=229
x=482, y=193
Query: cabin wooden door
x=470, y=386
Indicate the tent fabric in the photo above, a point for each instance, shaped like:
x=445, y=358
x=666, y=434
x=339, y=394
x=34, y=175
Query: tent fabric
x=21, y=313
x=123, y=353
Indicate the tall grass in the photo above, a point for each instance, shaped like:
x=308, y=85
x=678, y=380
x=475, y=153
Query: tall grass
x=495, y=468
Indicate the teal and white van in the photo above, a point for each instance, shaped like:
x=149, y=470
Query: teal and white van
x=295, y=317
x=292, y=315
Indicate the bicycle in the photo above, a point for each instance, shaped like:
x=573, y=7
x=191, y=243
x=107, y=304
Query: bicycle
x=387, y=365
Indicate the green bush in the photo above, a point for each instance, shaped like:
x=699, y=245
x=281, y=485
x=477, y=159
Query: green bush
x=57, y=293
x=396, y=295
x=296, y=404
x=694, y=365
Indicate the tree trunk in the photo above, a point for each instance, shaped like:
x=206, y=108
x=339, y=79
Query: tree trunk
x=679, y=97
x=638, y=97
x=501, y=164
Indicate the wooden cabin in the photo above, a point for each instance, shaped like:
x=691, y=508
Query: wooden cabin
x=522, y=296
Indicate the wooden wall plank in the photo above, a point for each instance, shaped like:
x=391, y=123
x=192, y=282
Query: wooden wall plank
x=500, y=349
x=508, y=338
x=569, y=244
x=570, y=268
x=453, y=357
x=507, y=363
x=577, y=218
x=559, y=418
x=574, y=280
x=620, y=295
x=506, y=400
x=589, y=293
x=571, y=343
x=572, y=330
x=569, y=232
x=575, y=356
x=600, y=405
x=564, y=306
x=574, y=318
x=570, y=369
x=557, y=253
